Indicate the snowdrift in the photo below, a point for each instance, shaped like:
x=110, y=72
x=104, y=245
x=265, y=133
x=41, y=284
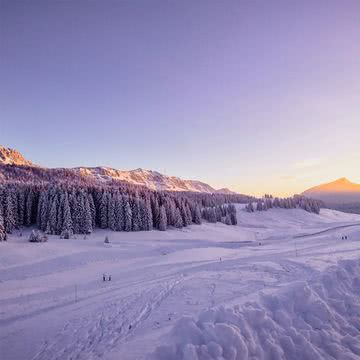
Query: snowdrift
x=316, y=319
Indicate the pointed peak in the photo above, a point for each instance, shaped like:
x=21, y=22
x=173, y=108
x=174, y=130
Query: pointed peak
x=342, y=180
x=11, y=156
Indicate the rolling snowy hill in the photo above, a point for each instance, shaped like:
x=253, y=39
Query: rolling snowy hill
x=257, y=290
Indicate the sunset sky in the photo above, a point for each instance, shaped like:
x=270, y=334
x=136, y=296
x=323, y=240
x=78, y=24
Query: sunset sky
x=258, y=96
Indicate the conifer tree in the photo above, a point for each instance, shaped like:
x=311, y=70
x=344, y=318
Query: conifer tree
x=111, y=213
x=9, y=211
x=52, y=222
x=87, y=221
x=155, y=211
x=178, y=219
x=119, y=213
x=127, y=215
x=233, y=219
x=147, y=215
x=136, y=216
x=196, y=215
x=3, y=236
x=67, y=221
x=104, y=210
x=162, y=219
x=21, y=206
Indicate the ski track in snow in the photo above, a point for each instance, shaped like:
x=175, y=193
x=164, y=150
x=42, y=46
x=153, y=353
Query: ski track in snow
x=54, y=305
x=111, y=324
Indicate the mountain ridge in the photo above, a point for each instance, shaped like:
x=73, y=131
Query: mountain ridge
x=142, y=177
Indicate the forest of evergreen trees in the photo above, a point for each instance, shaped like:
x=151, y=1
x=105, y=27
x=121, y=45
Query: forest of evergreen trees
x=297, y=201
x=69, y=207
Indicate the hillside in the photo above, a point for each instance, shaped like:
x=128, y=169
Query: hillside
x=10, y=156
x=158, y=277
x=340, y=191
x=149, y=178
x=13, y=166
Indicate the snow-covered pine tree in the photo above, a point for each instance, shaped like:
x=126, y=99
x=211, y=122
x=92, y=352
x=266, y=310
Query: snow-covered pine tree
x=3, y=236
x=119, y=212
x=127, y=214
x=29, y=206
x=111, y=212
x=219, y=212
x=276, y=203
x=21, y=205
x=259, y=206
x=10, y=210
x=196, y=214
x=136, y=216
x=104, y=203
x=170, y=211
x=52, y=222
x=41, y=211
x=75, y=208
x=87, y=217
x=233, y=219
x=227, y=219
x=155, y=211
x=67, y=225
x=249, y=207
x=178, y=219
x=146, y=214
x=162, y=219
x=92, y=209
x=60, y=212
x=188, y=215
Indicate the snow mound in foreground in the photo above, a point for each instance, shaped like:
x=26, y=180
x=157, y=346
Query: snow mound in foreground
x=317, y=319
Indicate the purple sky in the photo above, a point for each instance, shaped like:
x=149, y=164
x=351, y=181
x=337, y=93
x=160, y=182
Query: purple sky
x=259, y=96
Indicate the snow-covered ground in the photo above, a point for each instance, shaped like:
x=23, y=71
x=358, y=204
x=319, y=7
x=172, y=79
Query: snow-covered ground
x=54, y=304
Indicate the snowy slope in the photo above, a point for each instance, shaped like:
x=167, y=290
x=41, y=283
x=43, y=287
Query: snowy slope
x=54, y=304
x=151, y=179
x=314, y=319
x=148, y=178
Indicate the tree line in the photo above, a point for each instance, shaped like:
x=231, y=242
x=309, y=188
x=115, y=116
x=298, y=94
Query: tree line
x=297, y=201
x=67, y=208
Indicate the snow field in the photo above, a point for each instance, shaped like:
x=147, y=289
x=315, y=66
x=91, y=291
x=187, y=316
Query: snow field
x=314, y=319
x=54, y=304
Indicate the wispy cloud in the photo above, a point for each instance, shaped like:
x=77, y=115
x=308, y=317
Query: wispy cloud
x=307, y=163
x=288, y=177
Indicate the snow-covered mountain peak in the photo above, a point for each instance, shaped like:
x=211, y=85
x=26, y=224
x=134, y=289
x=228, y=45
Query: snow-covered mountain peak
x=10, y=156
x=144, y=177
x=149, y=178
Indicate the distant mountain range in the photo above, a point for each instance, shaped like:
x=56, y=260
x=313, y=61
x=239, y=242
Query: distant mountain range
x=338, y=192
x=148, y=178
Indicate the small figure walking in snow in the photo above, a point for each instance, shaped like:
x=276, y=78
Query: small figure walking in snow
x=104, y=277
x=220, y=259
x=109, y=277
